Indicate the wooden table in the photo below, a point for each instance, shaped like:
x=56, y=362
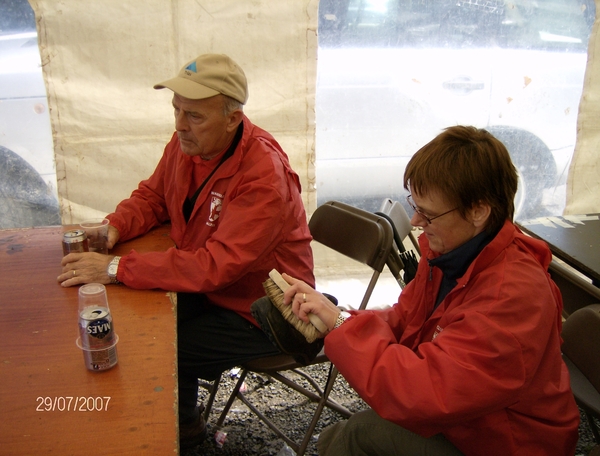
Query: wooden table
x=50, y=403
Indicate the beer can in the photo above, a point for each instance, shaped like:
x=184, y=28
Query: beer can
x=97, y=339
x=74, y=241
x=95, y=328
x=101, y=359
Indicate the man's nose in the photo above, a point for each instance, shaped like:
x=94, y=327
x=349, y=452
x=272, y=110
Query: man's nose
x=181, y=123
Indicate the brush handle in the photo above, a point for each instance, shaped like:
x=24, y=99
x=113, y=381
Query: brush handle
x=283, y=285
x=279, y=280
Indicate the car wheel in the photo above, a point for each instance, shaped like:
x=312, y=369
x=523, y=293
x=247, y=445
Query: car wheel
x=25, y=199
x=535, y=166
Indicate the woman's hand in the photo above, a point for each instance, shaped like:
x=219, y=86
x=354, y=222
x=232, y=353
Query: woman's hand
x=304, y=300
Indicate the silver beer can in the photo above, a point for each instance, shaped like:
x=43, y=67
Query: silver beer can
x=74, y=241
x=97, y=339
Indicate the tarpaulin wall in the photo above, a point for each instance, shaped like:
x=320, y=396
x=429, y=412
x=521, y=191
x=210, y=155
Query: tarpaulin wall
x=101, y=60
x=583, y=183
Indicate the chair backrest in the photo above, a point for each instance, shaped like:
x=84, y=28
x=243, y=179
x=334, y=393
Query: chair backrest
x=581, y=342
x=397, y=214
x=357, y=234
x=576, y=291
x=354, y=233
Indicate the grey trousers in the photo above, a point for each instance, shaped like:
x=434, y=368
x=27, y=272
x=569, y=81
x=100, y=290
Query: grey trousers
x=367, y=434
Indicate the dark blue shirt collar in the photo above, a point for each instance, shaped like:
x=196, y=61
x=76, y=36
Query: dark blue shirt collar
x=455, y=263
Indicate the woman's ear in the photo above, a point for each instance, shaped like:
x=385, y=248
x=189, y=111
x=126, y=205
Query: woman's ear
x=480, y=213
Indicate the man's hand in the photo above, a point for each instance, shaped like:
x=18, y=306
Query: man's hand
x=113, y=237
x=87, y=267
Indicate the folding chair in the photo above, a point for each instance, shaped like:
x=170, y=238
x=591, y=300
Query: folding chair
x=359, y=235
x=581, y=343
x=400, y=220
x=393, y=262
x=395, y=213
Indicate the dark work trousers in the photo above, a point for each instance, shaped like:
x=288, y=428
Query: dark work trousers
x=367, y=434
x=211, y=340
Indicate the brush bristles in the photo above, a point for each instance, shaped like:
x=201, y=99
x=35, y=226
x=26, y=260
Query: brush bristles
x=275, y=295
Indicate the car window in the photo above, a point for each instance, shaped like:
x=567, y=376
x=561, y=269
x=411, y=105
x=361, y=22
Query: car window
x=393, y=73
x=16, y=17
x=552, y=24
x=28, y=194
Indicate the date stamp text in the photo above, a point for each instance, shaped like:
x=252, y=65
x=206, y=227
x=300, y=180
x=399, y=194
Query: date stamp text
x=72, y=404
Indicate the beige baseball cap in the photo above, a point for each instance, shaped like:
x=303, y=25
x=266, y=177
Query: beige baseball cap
x=209, y=75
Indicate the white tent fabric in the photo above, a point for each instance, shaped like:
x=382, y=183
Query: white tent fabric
x=101, y=60
x=583, y=183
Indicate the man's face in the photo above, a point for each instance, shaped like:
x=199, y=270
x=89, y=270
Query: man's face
x=448, y=231
x=201, y=126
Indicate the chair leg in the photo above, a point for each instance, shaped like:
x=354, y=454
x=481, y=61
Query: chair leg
x=314, y=397
x=211, y=398
x=232, y=397
x=268, y=422
x=333, y=372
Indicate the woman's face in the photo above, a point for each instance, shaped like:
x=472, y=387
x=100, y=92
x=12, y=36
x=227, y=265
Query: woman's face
x=450, y=230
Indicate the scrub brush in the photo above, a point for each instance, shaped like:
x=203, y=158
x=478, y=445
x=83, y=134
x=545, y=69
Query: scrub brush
x=275, y=286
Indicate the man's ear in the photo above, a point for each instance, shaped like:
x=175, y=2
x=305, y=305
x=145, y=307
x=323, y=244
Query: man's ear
x=480, y=213
x=234, y=119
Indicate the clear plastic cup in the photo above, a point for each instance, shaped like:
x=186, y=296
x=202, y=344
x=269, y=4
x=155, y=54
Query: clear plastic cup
x=97, y=338
x=96, y=231
x=92, y=295
x=99, y=359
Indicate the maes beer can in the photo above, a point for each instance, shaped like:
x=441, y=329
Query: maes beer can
x=97, y=338
x=74, y=241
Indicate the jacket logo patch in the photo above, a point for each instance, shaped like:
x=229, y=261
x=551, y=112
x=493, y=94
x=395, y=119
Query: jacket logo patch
x=438, y=330
x=216, y=203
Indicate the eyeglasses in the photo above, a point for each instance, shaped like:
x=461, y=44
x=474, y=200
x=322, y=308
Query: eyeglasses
x=412, y=204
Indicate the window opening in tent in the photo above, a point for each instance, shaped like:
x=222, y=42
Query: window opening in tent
x=28, y=195
x=393, y=73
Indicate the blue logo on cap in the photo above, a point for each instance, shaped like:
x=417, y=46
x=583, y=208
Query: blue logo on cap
x=192, y=67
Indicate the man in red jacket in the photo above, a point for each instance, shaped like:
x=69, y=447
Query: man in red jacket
x=234, y=205
x=468, y=361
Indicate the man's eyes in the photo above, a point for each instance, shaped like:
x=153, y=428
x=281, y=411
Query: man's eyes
x=191, y=115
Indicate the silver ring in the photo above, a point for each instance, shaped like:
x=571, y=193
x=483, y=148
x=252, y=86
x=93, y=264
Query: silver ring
x=74, y=273
x=304, y=297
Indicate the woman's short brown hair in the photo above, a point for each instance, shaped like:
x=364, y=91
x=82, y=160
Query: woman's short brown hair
x=467, y=166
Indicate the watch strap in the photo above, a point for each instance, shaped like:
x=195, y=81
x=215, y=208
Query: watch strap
x=114, y=264
x=341, y=318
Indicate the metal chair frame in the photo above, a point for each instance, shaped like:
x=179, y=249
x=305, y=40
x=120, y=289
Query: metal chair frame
x=357, y=234
x=576, y=291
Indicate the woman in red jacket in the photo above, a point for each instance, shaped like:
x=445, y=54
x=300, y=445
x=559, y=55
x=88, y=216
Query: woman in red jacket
x=468, y=361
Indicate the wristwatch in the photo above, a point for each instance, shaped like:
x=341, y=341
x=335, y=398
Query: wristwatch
x=342, y=317
x=112, y=269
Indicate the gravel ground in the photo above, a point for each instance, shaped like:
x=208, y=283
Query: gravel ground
x=247, y=435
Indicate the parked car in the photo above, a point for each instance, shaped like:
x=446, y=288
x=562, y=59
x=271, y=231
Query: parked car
x=28, y=195
x=392, y=74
